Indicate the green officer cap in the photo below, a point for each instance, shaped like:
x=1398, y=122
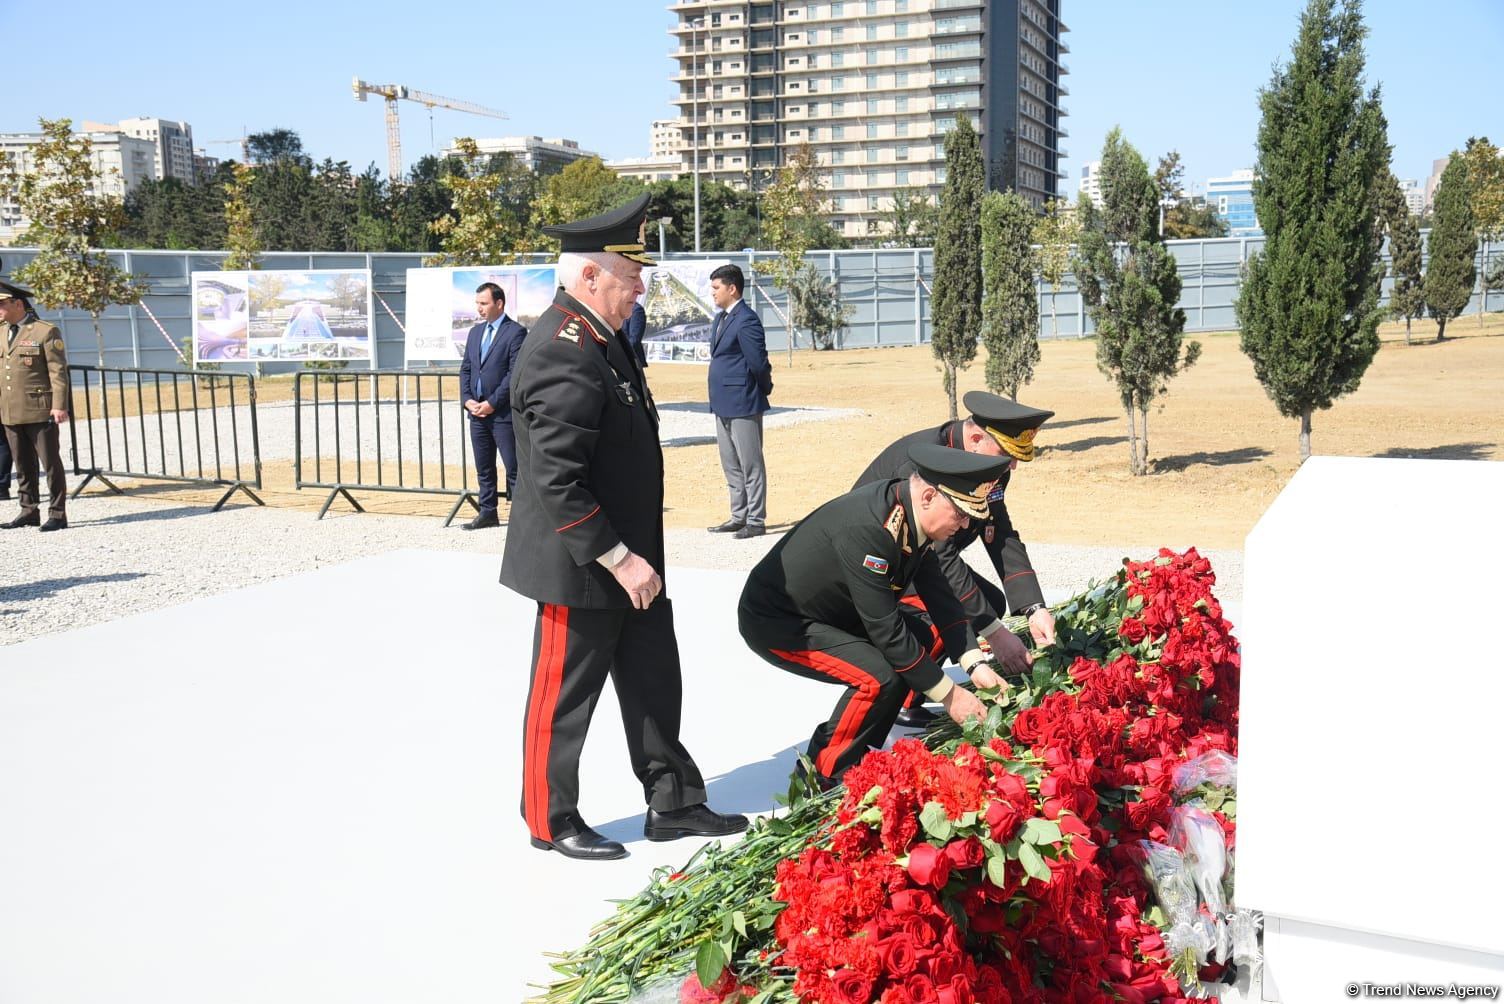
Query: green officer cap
x=1013, y=425
x=7, y=291
x=618, y=230
x=965, y=477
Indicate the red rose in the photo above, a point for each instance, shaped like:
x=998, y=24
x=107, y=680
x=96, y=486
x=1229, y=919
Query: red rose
x=899, y=954
x=928, y=866
x=694, y=992
x=958, y=992
x=1132, y=629
x=897, y=995
x=1003, y=819
x=852, y=987
x=944, y=967
x=967, y=853
x=921, y=988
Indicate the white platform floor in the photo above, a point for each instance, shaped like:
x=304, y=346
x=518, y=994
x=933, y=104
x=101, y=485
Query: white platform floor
x=307, y=790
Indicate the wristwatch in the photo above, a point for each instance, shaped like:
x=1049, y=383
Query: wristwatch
x=1031, y=611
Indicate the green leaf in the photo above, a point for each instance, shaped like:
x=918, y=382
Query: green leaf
x=739, y=921
x=873, y=794
x=1041, y=831
x=935, y=821
x=1033, y=863
x=710, y=960
x=994, y=720
x=968, y=818
x=997, y=870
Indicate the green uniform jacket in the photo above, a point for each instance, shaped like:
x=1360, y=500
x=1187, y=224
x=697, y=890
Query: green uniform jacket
x=846, y=565
x=999, y=538
x=33, y=373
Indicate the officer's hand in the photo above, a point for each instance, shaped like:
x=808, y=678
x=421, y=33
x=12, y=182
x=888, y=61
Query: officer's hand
x=984, y=676
x=637, y=577
x=962, y=704
x=1042, y=626
x=59, y=416
x=1009, y=651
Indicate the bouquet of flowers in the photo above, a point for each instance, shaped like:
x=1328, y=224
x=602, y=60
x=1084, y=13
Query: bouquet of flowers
x=1010, y=860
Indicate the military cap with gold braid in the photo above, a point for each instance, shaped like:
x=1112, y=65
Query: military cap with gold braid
x=965, y=478
x=7, y=292
x=1012, y=425
x=618, y=230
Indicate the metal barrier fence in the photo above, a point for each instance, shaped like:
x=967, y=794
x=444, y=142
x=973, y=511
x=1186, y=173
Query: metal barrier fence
x=152, y=425
x=382, y=431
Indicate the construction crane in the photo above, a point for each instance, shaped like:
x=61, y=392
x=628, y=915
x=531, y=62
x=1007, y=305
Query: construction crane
x=243, y=142
x=395, y=92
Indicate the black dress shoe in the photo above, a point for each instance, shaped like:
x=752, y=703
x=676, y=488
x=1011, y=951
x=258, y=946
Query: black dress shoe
x=917, y=717
x=587, y=845
x=691, y=821
x=55, y=523
x=31, y=519
x=730, y=526
x=482, y=521
x=750, y=530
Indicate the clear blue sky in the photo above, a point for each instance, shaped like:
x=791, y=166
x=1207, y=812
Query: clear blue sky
x=1173, y=73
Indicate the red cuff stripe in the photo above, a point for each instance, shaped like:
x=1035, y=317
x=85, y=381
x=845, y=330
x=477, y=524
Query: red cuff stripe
x=571, y=526
x=1026, y=571
x=969, y=595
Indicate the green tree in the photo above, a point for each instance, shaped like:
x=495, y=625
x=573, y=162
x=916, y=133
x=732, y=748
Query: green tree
x=1453, y=247
x=956, y=311
x=815, y=303
x=1485, y=183
x=68, y=222
x=914, y=217
x=1407, y=297
x=1190, y=219
x=276, y=145
x=1010, y=304
x=794, y=197
x=242, y=239
x=1056, y=231
x=416, y=203
x=1129, y=281
x=1309, y=302
x=585, y=187
x=482, y=229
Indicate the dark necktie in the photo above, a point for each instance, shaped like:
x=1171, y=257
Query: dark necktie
x=15, y=329
x=485, y=346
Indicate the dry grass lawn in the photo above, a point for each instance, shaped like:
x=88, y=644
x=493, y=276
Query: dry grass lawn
x=1219, y=451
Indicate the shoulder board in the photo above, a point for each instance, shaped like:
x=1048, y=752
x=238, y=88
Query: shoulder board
x=569, y=331
x=897, y=524
x=583, y=324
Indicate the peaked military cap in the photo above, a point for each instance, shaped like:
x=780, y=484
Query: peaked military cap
x=965, y=477
x=7, y=292
x=618, y=230
x=1012, y=425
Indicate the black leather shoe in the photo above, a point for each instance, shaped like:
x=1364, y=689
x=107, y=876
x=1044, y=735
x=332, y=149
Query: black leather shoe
x=587, y=845
x=691, y=821
x=482, y=521
x=917, y=717
x=750, y=530
x=55, y=523
x=730, y=526
x=33, y=519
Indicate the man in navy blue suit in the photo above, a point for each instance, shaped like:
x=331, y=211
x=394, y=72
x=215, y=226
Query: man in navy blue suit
x=485, y=387
x=741, y=378
x=634, y=329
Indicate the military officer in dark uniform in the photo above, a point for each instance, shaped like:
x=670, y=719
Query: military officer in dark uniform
x=34, y=401
x=997, y=428
x=825, y=601
x=586, y=542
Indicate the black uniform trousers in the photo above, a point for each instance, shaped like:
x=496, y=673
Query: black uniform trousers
x=37, y=443
x=574, y=650
x=5, y=464
x=488, y=436
x=874, y=690
x=995, y=599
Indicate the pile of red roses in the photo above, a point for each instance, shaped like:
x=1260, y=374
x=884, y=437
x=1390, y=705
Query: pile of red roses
x=1002, y=874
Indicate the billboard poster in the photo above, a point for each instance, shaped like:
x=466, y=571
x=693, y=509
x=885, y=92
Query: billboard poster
x=679, y=311
x=441, y=304
x=282, y=316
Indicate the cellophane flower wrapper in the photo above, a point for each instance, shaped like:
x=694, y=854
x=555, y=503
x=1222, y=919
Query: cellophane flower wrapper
x=1198, y=836
x=1213, y=767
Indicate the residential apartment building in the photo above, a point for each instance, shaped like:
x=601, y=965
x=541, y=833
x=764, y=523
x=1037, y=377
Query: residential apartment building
x=121, y=162
x=1415, y=196
x=647, y=169
x=1091, y=182
x=873, y=86
x=539, y=155
x=667, y=138
x=173, y=141
x=1232, y=198
x=1437, y=166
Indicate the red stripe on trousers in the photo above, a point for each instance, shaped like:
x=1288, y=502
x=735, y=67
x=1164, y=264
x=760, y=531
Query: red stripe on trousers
x=548, y=676
x=856, y=709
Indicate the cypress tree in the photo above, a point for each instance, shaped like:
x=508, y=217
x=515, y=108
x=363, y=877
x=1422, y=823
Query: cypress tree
x=1010, y=305
x=1407, y=295
x=1309, y=303
x=956, y=312
x=1454, y=243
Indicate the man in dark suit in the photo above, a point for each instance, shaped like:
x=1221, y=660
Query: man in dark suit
x=635, y=328
x=586, y=542
x=485, y=384
x=741, y=378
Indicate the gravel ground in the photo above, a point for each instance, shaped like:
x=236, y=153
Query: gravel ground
x=155, y=439
x=126, y=555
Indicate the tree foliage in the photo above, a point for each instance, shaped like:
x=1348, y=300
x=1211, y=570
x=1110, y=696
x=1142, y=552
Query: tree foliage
x=795, y=197
x=914, y=217
x=1056, y=232
x=242, y=239
x=1485, y=185
x=1309, y=302
x=816, y=305
x=1130, y=283
x=69, y=223
x=1407, y=296
x=956, y=310
x=1010, y=304
x=1454, y=247
x=489, y=224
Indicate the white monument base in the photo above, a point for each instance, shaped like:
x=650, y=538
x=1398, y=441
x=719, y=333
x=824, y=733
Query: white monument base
x=1368, y=806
